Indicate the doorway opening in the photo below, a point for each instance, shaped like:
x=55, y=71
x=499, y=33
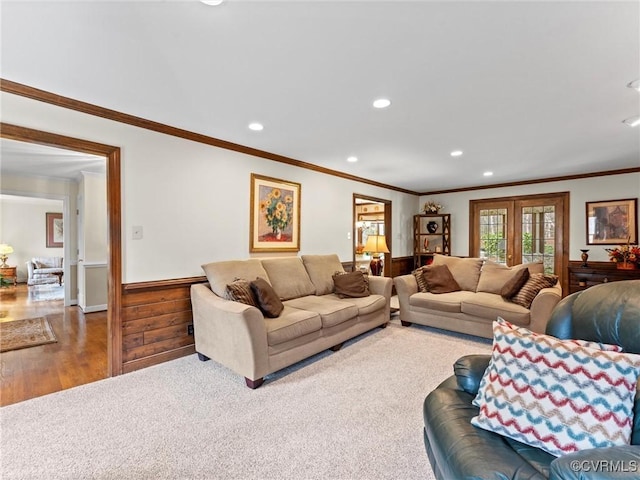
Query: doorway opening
x=371, y=234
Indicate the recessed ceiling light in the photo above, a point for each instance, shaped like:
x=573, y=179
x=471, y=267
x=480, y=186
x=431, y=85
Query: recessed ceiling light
x=381, y=103
x=213, y=3
x=352, y=159
x=632, y=121
x=487, y=174
x=635, y=84
x=255, y=126
x=456, y=153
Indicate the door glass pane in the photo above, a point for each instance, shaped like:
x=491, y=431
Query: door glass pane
x=538, y=235
x=493, y=234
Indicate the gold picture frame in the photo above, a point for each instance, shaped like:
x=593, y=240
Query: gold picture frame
x=612, y=222
x=275, y=215
x=55, y=231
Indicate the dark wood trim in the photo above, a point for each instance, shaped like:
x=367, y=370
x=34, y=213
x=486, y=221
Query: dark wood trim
x=401, y=266
x=15, y=88
x=158, y=358
x=114, y=221
x=388, y=232
x=159, y=284
x=580, y=176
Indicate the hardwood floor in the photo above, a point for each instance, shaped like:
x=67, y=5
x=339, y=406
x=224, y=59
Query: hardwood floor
x=78, y=357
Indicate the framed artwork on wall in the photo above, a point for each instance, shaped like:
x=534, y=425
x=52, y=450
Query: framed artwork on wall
x=612, y=222
x=55, y=231
x=275, y=215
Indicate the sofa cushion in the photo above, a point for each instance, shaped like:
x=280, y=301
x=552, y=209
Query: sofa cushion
x=367, y=305
x=220, y=274
x=556, y=395
x=465, y=271
x=288, y=277
x=47, y=262
x=492, y=306
x=532, y=287
x=493, y=276
x=351, y=284
x=240, y=291
x=291, y=324
x=439, y=279
x=332, y=311
x=320, y=269
x=267, y=298
x=444, y=302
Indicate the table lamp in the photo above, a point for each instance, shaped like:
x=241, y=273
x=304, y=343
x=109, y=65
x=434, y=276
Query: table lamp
x=5, y=250
x=376, y=244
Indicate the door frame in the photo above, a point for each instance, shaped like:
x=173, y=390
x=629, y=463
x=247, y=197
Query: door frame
x=114, y=224
x=560, y=199
x=387, y=229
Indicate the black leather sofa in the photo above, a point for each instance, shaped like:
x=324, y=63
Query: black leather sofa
x=608, y=313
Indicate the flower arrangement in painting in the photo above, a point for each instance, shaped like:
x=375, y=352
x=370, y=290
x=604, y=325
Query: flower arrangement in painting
x=625, y=254
x=431, y=207
x=278, y=210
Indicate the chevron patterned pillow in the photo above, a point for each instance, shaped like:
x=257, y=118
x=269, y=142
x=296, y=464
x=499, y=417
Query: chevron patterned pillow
x=559, y=396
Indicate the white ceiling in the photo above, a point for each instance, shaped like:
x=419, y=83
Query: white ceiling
x=527, y=90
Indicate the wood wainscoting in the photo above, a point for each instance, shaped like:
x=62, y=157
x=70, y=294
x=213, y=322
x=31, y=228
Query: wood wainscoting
x=155, y=322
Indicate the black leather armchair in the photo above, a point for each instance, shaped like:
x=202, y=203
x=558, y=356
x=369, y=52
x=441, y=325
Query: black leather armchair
x=607, y=313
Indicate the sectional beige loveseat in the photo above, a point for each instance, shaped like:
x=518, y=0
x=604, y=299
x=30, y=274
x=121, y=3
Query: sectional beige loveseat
x=478, y=303
x=314, y=319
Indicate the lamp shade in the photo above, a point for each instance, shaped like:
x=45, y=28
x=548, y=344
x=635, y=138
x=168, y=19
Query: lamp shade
x=376, y=244
x=5, y=249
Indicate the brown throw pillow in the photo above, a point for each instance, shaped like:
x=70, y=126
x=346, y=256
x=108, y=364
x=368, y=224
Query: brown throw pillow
x=536, y=282
x=422, y=285
x=240, y=291
x=439, y=279
x=513, y=286
x=268, y=300
x=351, y=284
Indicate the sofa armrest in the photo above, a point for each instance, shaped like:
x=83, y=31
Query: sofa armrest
x=406, y=285
x=380, y=286
x=469, y=371
x=542, y=306
x=231, y=333
x=598, y=463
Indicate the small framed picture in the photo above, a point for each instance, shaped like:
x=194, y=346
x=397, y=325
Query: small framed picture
x=55, y=231
x=612, y=222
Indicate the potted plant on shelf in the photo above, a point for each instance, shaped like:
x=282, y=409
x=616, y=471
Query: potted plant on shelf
x=626, y=257
x=431, y=207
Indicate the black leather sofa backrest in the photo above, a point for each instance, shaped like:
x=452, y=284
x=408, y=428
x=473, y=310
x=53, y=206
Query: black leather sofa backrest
x=607, y=313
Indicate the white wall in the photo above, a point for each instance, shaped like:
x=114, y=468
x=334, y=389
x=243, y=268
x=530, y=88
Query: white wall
x=192, y=200
x=581, y=191
x=23, y=226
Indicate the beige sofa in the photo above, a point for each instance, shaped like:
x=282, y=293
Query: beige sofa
x=45, y=270
x=478, y=303
x=314, y=318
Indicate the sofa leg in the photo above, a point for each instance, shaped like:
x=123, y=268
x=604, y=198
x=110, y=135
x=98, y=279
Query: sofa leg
x=335, y=348
x=405, y=324
x=384, y=325
x=253, y=384
x=202, y=358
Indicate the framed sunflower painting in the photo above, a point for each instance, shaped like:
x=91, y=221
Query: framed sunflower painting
x=275, y=215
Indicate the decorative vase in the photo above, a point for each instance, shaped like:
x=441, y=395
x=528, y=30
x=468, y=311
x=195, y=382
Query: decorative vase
x=626, y=266
x=432, y=227
x=278, y=234
x=585, y=257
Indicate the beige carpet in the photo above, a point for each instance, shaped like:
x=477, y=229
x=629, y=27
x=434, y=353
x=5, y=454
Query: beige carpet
x=352, y=414
x=26, y=333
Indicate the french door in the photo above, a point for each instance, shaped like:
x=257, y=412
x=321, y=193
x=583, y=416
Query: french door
x=522, y=229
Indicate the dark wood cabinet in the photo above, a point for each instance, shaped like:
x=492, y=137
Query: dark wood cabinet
x=581, y=278
x=431, y=235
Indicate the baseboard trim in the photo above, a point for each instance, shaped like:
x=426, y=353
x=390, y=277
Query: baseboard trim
x=94, y=308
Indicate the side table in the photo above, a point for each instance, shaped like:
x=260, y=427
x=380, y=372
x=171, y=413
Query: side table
x=10, y=272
